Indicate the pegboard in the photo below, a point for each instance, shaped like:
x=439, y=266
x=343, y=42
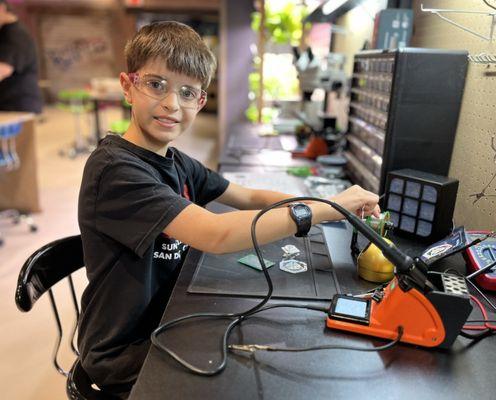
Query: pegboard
x=474, y=160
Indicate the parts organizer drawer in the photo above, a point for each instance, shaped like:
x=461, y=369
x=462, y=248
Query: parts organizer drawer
x=391, y=110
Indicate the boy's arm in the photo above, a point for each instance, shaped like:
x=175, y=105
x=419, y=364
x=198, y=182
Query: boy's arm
x=231, y=232
x=244, y=198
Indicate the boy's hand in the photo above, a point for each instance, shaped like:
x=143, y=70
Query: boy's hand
x=359, y=201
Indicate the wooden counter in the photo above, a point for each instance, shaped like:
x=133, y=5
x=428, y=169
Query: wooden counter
x=19, y=188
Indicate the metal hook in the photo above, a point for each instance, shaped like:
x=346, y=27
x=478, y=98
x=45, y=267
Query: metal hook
x=493, y=146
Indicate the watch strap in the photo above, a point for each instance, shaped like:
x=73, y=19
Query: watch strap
x=303, y=222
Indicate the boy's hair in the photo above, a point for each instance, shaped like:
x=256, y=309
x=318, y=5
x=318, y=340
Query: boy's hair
x=182, y=49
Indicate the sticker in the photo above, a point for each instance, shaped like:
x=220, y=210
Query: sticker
x=251, y=260
x=449, y=245
x=292, y=266
x=290, y=251
x=436, y=251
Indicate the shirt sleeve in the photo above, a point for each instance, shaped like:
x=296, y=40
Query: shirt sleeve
x=8, y=53
x=133, y=206
x=208, y=184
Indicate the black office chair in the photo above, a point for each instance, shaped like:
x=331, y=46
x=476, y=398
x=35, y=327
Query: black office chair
x=43, y=269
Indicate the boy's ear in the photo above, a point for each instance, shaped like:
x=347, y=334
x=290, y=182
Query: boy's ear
x=203, y=102
x=126, y=87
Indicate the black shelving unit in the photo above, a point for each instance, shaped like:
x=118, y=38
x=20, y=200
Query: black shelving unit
x=403, y=112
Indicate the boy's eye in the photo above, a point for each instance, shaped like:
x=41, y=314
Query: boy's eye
x=188, y=93
x=156, y=85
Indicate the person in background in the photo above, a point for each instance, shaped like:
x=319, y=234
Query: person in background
x=19, y=89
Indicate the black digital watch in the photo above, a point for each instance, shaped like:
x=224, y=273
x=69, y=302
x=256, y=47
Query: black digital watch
x=302, y=216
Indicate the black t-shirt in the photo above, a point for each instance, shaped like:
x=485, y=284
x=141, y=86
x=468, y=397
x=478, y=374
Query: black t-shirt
x=20, y=91
x=128, y=196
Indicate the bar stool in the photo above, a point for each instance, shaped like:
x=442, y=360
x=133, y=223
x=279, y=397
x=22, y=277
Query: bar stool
x=46, y=267
x=77, y=102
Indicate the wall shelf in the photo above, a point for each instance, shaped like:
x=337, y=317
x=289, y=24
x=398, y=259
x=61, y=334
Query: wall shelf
x=438, y=11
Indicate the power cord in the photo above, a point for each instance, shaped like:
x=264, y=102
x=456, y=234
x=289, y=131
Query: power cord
x=239, y=317
x=253, y=347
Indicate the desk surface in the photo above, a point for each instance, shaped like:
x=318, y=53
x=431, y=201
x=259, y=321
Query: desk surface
x=264, y=157
x=244, y=146
x=247, y=136
x=406, y=372
x=12, y=117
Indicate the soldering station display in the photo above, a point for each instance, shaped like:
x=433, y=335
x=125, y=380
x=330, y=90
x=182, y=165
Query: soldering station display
x=348, y=308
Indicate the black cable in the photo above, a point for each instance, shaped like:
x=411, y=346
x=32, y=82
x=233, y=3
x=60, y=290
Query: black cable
x=183, y=362
x=225, y=337
x=482, y=294
x=489, y=5
x=305, y=306
x=245, y=314
x=477, y=336
x=252, y=348
x=487, y=321
x=484, y=270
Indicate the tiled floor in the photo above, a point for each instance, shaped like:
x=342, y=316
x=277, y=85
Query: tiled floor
x=27, y=339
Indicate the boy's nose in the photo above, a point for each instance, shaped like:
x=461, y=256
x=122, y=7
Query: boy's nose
x=170, y=101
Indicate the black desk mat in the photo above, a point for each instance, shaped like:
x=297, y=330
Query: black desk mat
x=224, y=275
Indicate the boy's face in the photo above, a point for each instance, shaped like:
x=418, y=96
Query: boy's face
x=157, y=121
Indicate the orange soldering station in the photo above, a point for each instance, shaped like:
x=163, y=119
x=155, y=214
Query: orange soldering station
x=429, y=308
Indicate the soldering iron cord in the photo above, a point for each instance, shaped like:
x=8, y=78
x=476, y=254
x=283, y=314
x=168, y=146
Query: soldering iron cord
x=240, y=316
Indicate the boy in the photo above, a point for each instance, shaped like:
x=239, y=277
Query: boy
x=140, y=205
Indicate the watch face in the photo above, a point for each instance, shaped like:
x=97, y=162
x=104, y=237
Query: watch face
x=300, y=211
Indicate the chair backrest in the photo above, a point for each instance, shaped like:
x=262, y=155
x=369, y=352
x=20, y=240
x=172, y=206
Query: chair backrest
x=47, y=266
x=43, y=269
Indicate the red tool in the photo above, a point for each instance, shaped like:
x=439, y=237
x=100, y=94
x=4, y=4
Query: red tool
x=481, y=255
